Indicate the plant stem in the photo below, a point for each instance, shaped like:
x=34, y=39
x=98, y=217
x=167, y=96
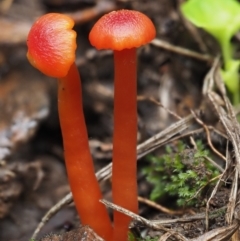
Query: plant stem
x=226, y=48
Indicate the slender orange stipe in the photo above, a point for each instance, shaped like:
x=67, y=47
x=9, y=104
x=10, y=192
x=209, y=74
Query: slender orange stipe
x=123, y=31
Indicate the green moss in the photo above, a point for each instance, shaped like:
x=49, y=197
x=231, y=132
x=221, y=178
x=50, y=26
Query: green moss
x=180, y=174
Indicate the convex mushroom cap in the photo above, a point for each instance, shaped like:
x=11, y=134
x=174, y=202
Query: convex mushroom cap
x=52, y=44
x=123, y=29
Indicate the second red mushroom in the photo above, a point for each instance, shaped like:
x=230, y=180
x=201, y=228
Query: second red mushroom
x=123, y=31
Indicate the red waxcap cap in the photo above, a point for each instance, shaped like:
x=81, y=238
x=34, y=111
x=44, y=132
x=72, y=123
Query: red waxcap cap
x=51, y=44
x=123, y=29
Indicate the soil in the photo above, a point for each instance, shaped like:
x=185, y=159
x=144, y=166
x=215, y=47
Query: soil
x=32, y=171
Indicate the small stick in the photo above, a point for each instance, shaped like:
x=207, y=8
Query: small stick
x=208, y=137
x=66, y=200
x=160, y=207
x=179, y=50
x=142, y=220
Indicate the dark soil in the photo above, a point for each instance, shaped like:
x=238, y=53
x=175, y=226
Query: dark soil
x=32, y=171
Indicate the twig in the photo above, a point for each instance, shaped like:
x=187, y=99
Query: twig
x=142, y=220
x=200, y=189
x=160, y=207
x=101, y=7
x=66, y=200
x=208, y=136
x=151, y=99
x=179, y=50
x=189, y=219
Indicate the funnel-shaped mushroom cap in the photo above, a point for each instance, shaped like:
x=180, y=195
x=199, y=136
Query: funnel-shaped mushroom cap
x=51, y=44
x=123, y=29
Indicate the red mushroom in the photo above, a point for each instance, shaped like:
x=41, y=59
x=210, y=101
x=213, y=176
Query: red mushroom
x=123, y=31
x=51, y=49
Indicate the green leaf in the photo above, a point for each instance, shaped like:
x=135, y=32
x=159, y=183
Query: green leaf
x=221, y=18
x=218, y=17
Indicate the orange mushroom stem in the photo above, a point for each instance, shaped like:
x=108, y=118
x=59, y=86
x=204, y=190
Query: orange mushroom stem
x=124, y=178
x=123, y=31
x=51, y=49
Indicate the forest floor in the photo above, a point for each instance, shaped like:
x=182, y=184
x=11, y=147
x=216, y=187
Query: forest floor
x=176, y=102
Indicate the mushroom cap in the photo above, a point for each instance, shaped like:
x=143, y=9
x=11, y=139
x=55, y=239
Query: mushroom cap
x=123, y=29
x=51, y=44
